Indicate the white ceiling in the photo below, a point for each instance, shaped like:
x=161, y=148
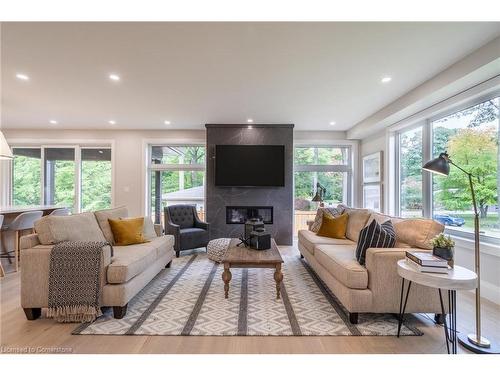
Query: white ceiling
x=308, y=74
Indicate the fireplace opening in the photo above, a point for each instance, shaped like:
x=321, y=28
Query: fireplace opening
x=240, y=214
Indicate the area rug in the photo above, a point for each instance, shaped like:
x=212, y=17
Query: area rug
x=188, y=299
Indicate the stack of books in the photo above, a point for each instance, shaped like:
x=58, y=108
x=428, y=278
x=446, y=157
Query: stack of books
x=426, y=262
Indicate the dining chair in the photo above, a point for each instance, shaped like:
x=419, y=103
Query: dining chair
x=60, y=212
x=23, y=221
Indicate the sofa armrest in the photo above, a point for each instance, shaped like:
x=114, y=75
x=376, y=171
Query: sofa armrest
x=385, y=283
x=29, y=241
x=35, y=274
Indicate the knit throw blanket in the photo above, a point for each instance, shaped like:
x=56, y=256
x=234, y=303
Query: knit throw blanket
x=74, y=281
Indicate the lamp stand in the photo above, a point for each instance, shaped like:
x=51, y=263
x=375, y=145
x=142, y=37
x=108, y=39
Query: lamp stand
x=474, y=341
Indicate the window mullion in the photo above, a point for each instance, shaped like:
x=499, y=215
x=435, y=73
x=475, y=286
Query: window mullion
x=426, y=176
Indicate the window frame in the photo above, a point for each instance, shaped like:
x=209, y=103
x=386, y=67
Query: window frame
x=427, y=146
x=326, y=167
x=150, y=167
x=77, y=146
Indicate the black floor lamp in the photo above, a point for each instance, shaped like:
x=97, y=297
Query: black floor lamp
x=473, y=341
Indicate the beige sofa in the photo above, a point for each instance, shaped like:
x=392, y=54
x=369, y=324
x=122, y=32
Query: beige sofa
x=374, y=287
x=123, y=275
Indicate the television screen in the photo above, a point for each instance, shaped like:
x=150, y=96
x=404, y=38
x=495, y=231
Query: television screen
x=249, y=165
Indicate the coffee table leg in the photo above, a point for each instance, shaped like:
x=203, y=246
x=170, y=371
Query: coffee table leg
x=278, y=277
x=226, y=277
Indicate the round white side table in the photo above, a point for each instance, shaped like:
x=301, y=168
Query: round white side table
x=458, y=278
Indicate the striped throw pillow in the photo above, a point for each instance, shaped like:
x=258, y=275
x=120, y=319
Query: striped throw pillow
x=375, y=235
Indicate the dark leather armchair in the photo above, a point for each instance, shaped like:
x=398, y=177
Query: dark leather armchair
x=182, y=221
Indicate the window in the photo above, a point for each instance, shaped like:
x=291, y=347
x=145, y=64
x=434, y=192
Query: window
x=72, y=176
x=410, y=173
x=26, y=176
x=177, y=176
x=96, y=179
x=471, y=138
x=330, y=166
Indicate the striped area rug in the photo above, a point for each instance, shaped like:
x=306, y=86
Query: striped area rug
x=188, y=299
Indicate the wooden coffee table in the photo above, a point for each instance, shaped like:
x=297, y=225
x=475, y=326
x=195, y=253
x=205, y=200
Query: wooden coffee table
x=244, y=257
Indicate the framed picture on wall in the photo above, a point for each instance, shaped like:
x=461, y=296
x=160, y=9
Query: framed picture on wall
x=372, y=168
x=372, y=196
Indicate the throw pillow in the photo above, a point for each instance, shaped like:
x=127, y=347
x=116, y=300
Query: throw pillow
x=333, y=227
x=127, y=231
x=333, y=211
x=375, y=235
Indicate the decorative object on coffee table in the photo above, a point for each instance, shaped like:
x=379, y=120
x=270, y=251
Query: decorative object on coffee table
x=473, y=341
x=216, y=249
x=443, y=248
x=458, y=278
x=242, y=257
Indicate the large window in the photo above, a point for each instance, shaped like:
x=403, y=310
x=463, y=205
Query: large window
x=71, y=176
x=177, y=176
x=330, y=166
x=410, y=173
x=470, y=136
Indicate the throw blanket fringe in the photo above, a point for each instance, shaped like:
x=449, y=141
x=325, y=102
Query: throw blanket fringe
x=74, y=314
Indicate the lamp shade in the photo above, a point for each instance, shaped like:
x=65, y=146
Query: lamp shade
x=5, y=152
x=439, y=165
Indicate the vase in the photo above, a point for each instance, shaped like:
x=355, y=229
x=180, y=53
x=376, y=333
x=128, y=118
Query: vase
x=445, y=253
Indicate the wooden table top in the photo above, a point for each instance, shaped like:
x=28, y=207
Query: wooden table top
x=245, y=255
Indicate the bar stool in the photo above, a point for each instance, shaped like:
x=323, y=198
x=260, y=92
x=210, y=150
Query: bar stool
x=24, y=221
x=2, y=271
x=60, y=212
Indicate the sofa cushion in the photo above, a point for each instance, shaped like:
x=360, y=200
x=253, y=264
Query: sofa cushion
x=333, y=227
x=375, y=235
x=412, y=232
x=310, y=239
x=128, y=231
x=358, y=217
x=340, y=261
x=192, y=237
x=318, y=219
x=149, y=231
x=80, y=227
x=129, y=261
x=102, y=217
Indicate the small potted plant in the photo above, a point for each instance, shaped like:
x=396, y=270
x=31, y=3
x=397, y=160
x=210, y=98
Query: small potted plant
x=443, y=248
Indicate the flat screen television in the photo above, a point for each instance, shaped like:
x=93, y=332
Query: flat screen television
x=249, y=165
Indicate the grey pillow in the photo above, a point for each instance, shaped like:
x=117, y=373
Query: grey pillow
x=102, y=217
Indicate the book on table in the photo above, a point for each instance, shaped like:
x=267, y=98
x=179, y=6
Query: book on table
x=428, y=269
x=426, y=259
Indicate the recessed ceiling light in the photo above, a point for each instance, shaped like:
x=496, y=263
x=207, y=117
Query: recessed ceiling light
x=332, y=123
x=250, y=127
x=249, y=120
x=166, y=122
x=53, y=122
x=101, y=151
x=386, y=79
x=114, y=77
x=112, y=122
x=22, y=77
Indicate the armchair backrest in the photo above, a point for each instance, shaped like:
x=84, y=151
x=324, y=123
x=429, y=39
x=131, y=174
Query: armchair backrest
x=181, y=214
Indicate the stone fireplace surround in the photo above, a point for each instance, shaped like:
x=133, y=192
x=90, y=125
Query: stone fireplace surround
x=279, y=198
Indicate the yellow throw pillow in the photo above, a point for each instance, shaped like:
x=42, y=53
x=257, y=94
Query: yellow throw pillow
x=333, y=227
x=127, y=231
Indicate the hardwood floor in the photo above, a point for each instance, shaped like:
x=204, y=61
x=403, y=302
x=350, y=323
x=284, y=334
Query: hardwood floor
x=17, y=333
